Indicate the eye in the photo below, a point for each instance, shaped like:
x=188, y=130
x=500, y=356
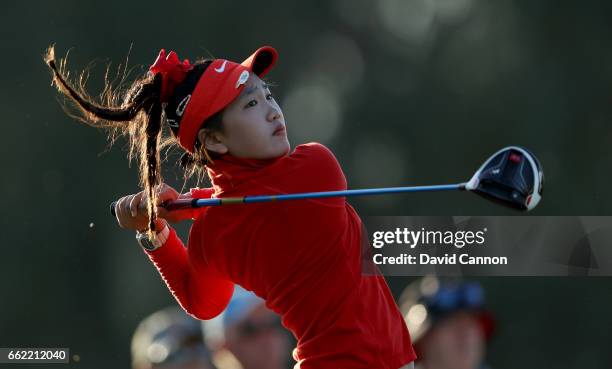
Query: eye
x=251, y=103
x=270, y=96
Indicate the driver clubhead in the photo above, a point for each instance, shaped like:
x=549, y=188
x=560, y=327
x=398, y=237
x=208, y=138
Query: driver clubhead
x=512, y=176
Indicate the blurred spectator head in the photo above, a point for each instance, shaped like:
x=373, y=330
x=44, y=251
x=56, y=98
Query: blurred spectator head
x=251, y=332
x=448, y=322
x=170, y=339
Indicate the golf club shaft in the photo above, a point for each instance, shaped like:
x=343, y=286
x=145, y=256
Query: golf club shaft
x=197, y=203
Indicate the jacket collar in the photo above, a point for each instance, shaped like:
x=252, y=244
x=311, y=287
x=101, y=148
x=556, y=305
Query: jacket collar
x=228, y=172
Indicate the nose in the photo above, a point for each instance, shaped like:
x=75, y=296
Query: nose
x=274, y=114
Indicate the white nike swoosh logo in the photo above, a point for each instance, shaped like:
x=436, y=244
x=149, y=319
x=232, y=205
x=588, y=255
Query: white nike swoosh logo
x=222, y=68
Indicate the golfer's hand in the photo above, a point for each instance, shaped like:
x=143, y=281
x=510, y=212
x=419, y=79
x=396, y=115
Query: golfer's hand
x=174, y=216
x=131, y=210
x=131, y=213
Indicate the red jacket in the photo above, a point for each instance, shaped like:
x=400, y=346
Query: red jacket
x=302, y=256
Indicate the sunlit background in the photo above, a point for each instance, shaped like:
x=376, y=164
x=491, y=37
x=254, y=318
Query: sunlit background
x=404, y=92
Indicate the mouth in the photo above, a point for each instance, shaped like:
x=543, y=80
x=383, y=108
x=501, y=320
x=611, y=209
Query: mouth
x=279, y=131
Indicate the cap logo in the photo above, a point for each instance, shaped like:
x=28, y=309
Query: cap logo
x=221, y=68
x=180, y=109
x=244, y=76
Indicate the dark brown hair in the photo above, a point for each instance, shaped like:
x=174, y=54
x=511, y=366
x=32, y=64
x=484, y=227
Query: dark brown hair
x=139, y=116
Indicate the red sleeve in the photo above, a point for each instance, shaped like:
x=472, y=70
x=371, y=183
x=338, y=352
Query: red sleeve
x=202, y=193
x=201, y=293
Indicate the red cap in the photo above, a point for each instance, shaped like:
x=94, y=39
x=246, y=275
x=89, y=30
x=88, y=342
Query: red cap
x=218, y=86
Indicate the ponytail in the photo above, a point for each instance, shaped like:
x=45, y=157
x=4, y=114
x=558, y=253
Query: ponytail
x=139, y=117
x=150, y=167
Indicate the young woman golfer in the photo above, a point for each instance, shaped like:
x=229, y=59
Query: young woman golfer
x=303, y=257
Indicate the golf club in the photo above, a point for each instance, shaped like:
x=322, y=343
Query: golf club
x=512, y=177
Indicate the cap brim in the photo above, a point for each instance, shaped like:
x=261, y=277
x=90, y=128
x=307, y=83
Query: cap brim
x=261, y=61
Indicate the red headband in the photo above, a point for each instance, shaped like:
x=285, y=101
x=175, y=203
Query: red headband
x=218, y=86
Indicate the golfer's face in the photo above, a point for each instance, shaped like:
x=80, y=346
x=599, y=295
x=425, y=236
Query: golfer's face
x=251, y=123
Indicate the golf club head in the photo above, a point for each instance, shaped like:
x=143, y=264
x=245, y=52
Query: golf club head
x=512, y=176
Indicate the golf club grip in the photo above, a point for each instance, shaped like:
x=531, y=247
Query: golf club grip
x=169, y=205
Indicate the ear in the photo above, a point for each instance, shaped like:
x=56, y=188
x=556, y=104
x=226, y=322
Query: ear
x=212, y=141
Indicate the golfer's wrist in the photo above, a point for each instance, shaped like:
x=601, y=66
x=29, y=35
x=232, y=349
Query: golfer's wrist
x=162, y=232
x=160, y=224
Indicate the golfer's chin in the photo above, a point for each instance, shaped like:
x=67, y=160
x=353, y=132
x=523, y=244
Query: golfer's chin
x=281, y=146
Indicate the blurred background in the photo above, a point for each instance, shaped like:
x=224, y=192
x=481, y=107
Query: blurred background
x=404, y=92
